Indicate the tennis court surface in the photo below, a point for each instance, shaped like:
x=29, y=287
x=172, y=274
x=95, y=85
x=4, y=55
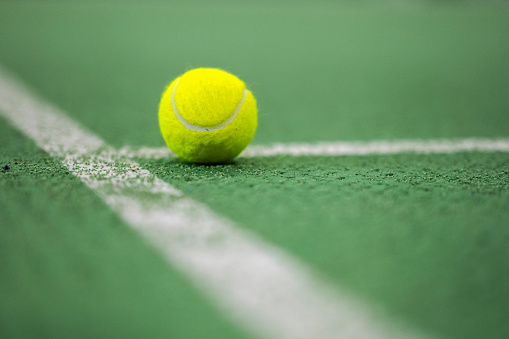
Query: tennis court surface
x=372, y=203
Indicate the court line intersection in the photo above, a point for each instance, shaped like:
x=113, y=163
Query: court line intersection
x=259, y=286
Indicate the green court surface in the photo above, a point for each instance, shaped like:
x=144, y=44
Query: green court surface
x=422, y=239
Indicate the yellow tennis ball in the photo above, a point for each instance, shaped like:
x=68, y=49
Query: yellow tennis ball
x=207, y=116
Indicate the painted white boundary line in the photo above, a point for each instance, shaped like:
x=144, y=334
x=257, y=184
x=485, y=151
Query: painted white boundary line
x=380, y=147
x=264, y=289
x=346, y=148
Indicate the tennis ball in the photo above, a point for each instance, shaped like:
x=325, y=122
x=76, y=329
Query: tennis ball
x=207, y=116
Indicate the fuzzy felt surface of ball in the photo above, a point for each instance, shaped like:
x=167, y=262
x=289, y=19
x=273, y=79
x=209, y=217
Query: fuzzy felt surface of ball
x=207, y=116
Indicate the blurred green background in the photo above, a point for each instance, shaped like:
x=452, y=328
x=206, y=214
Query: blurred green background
x=352, y=71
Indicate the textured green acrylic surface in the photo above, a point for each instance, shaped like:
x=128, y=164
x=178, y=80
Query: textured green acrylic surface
x=70, y=268
x=424, y=235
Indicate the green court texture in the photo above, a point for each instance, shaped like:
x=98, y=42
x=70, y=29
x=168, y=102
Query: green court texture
x=422, y=237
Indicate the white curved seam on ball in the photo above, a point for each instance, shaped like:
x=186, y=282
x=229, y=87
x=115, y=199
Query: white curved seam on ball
x=205, y=128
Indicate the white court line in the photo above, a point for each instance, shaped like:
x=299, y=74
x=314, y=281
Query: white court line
x=262, y=288
x=380, y=147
